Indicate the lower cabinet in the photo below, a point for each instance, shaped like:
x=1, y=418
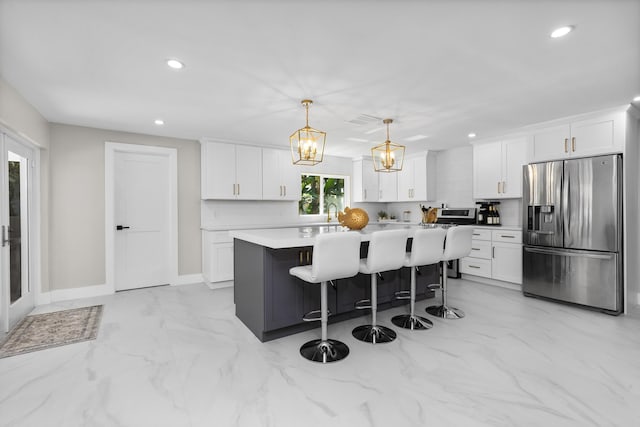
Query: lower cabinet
x=217, y=256
x=495, y=254
x=272, y=303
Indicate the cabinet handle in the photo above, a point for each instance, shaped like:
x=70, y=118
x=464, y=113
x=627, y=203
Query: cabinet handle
x=473, y=266
x=281, y=191
x=498, y=187
x=507, y=236
x=566, y=147
x=300, y=257
x=284, y=187
x=308, y=257
x=504, y=184
x=234, y=189
x=238, y=189
x=493, y=252
x=365, y=194
x=475, y=249
x=573, y=144
x=475, y=234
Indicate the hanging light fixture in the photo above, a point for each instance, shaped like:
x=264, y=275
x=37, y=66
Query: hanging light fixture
x=388, y=156
x=307, y=144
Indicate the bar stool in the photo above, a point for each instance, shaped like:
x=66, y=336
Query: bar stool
x=335, y=256
x=456, y=245
x=426, y=249
x=387, y=250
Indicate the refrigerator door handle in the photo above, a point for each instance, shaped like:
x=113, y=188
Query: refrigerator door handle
x=568, y=254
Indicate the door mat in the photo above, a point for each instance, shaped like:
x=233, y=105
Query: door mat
x=47, y=330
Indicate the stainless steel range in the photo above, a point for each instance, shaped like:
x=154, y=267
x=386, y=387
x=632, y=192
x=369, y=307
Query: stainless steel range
x=450, y=217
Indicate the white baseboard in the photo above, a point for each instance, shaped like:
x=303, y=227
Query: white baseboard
x=188, y=279
x=493, y=282
x=220, y=285
x=78, y=293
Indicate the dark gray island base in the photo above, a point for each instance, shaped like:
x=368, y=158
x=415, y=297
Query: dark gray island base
x=272, y=303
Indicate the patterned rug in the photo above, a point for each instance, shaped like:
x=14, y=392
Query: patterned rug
x=47, y=330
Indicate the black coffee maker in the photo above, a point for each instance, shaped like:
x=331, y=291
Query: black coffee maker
x=486, y=210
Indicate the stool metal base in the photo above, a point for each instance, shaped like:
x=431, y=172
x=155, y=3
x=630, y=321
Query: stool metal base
x=374, y=334
x=445, y=312
x=414, y=323
x=324, y=351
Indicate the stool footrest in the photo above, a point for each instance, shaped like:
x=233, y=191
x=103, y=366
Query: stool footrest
x=314, y=315
x=363, y=304
x=434, y=287
x=403, y=295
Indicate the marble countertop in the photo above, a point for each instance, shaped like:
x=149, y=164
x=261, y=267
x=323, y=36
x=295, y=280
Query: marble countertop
x=334, y=223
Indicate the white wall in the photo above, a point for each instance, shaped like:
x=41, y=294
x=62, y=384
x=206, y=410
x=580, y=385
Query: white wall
x=632, y=207
x=77, y=246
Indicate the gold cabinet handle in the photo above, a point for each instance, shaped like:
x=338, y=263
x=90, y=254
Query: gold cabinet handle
x=284, y=188
x=308, y=257
x=573, y=144
x=503, y=186
x=566, y=146
x=300, y=257
x=498, y=187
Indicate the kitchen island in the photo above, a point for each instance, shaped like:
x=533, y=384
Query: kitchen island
x=272, y=303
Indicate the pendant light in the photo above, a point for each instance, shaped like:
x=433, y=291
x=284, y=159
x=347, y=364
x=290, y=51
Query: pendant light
x=388, y=156
x=307, y=144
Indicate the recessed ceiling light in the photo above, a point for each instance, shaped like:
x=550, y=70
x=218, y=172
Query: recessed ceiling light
x=358, y=140
x=159, y=122
x=472, y=135
x=416, y=138
x=175, y=64
x=562, y=31
x=636, y=99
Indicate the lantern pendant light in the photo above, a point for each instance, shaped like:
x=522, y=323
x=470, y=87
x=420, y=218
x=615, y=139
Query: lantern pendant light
x=388, y=156
x=307, y=143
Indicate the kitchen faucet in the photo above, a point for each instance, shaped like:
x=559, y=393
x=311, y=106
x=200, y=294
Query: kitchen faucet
x=329, y=211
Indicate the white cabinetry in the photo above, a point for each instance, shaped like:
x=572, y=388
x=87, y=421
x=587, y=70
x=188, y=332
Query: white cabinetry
x=231, y=171
x=416, y=180
x=580, y=138
x=388, y=186
x=495, y=254
x=364, y=181
x=217, y=256
x=280, y=178
x=497, y=168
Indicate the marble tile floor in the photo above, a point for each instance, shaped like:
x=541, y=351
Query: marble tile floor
x=177, y=356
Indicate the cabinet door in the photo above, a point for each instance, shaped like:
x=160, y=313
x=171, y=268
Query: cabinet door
x=218, y=171
x=271, y=182
x=284, y=293
x=507, y=262
x=364, y=182
x=290, y=177
x=421, y=185
x=551, y=144
x=248, y=172
x=592, y=137
x=487, y=170
x=221, y=262
x=406, y=180
x=514, y=156
x=388, y=182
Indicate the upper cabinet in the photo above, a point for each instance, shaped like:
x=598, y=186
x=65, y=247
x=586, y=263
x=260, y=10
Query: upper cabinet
x=280, y=177
x=497, y=168
x=364, y=181
x=593, y=136
x=417, y=179
x=387, y=186
x=231, y=171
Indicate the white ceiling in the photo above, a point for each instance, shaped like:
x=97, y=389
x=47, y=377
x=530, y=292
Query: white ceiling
x=438, y=68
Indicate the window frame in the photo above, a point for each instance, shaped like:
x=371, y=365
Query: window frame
x=321, y=207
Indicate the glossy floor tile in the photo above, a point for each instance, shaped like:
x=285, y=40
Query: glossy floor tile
x=177, y=356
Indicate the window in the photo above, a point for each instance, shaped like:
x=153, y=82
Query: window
x=321, y=192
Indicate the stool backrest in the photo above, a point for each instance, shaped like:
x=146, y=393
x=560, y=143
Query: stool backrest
x=387, y=250
x=427, y=246
x=458, y=242
x=336, y=255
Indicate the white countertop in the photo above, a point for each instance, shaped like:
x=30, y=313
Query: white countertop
x=293, y=237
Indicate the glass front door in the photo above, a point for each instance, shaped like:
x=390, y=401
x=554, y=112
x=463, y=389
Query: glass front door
x=17, y=296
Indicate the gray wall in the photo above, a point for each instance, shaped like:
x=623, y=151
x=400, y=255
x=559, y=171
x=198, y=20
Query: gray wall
x=77, y=244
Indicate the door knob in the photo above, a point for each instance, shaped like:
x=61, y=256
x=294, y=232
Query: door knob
x=121, y=227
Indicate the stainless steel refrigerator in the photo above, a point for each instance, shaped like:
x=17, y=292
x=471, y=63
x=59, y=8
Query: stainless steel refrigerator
x=572, y=213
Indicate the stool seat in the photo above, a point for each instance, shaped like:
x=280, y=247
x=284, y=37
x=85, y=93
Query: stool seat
x=426, y=249
x=335, y=256
x=386, y=252
x=457, y=245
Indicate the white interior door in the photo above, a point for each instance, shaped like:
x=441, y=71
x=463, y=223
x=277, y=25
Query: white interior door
x=143, y=220
x=17, y=298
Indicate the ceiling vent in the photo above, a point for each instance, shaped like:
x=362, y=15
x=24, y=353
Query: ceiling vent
x=364, y=119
